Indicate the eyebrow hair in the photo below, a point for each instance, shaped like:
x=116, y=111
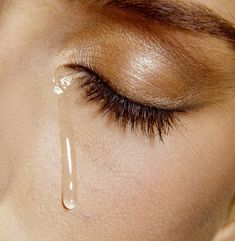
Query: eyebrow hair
x=186, y=16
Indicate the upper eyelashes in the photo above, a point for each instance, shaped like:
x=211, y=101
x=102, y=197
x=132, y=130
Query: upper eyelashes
x=150, y=120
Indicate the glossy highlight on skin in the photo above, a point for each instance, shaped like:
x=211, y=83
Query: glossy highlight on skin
x=68, y=155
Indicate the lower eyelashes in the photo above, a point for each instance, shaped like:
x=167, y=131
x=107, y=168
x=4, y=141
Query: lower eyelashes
x=151, y=121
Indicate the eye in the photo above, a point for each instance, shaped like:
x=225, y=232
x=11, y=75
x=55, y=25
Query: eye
x=150, y=120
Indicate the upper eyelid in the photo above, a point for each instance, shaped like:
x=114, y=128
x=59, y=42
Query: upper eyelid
x=91, y=72
x=161, y=104
x=192, y=76
x=88, y=72
x=147, y=118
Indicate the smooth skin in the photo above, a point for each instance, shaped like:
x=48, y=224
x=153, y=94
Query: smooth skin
x=130, y=188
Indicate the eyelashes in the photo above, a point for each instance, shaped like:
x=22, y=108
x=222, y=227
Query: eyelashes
x=150, y=120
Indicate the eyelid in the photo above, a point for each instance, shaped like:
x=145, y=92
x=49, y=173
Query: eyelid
x=163, y=103
x=151, y=120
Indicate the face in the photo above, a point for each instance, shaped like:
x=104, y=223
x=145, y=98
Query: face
x=159, y=165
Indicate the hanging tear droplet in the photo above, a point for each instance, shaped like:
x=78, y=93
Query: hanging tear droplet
x=61, y=87
x=69, y=175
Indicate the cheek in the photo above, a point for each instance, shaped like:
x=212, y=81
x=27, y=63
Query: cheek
x=173, y=191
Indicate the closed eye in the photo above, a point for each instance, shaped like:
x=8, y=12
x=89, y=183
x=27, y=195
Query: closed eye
x=150, y=120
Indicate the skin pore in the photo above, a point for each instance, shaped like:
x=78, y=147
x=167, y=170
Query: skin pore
x=130, y=187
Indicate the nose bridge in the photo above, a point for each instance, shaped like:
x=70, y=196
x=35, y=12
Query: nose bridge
x=13, y=37
x=4, y=4
x=27, y=110
x=21, y=24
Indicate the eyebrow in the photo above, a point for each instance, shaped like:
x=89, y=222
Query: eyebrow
x=186, y=16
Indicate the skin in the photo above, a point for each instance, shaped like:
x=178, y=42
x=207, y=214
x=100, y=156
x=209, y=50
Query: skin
x=129, y=187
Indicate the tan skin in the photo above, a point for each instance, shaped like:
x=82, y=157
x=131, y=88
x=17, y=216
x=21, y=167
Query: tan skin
x=130, y=187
